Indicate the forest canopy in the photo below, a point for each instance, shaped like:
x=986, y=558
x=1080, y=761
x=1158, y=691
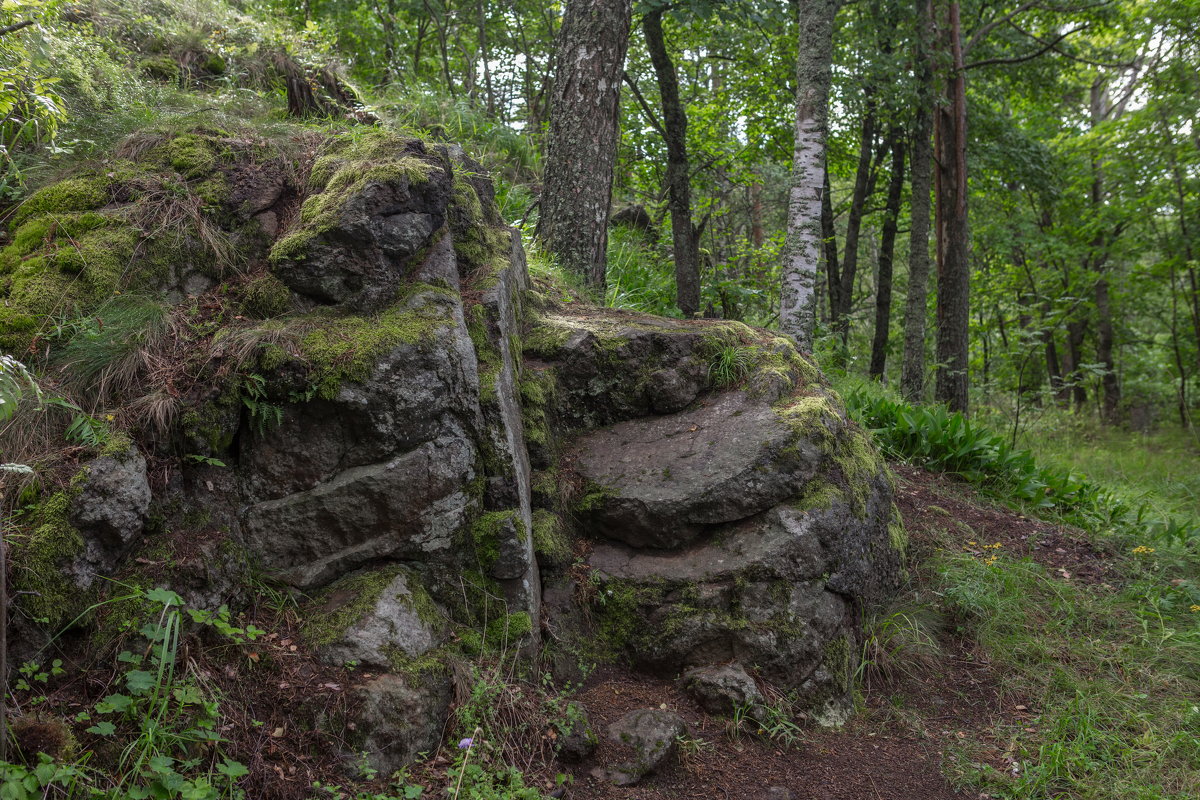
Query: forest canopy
x=1008, y=189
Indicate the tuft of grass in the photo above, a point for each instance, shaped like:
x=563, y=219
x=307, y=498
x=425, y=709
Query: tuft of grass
x=730, y=365
x=110, y=351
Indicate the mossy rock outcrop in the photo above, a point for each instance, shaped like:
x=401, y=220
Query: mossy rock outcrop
x=733, y=510
x=367, y=378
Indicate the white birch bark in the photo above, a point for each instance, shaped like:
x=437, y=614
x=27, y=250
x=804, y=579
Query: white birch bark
x=802, y=249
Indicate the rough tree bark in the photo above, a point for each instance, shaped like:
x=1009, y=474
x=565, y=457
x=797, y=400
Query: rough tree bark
x=581, y=146
x=679, y=194
x=887, y=246
x=954, y=277
x=912, y=368
x=802, y=250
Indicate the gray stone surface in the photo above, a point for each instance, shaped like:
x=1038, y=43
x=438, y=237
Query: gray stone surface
x=578, y=743
x=110, y=512
x=662, y=479
x=392, y=627
x=614, y=365
x=380, y=234
x=653, y=734
x=399, y=717
x=408, y=507
x=722, y=689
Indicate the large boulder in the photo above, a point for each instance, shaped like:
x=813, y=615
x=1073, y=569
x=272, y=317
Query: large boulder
x=748, y=520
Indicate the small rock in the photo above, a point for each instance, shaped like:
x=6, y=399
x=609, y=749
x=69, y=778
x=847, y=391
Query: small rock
x=777, y=793
x=578, y=743
x=653, y=734
x=723, y=689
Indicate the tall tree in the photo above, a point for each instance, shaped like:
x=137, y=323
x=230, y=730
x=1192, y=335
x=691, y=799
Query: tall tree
x=802, y=251
x=679, y=194
x=582, y=143
x=887, y=247
x=954, y=271
x=912, y=368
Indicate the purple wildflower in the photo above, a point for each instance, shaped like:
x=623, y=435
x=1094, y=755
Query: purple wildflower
x=465, y=744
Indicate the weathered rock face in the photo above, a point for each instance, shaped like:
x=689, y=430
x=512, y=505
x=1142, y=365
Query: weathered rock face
x=366, y=430
x=750, y=525
x=110, y=509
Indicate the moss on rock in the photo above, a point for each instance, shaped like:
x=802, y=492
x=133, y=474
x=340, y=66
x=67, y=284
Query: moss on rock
x=550, y=541
x=85, y=193
x=345, y=348
x=348, y=164
x=45, y=590
x=363, y=590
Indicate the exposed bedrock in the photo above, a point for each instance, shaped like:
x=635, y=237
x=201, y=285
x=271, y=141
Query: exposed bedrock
x=395, y=423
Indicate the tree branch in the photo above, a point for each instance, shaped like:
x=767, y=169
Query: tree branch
x=984, y=30
x=1028, y=56
x=16, y=26
x=646, y=109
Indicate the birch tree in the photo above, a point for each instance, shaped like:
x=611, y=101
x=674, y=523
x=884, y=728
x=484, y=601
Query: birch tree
x=802, y=251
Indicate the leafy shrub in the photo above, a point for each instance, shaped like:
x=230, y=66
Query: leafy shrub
x=949, y=442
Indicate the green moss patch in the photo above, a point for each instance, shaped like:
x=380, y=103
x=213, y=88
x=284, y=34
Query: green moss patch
x=487, y=531
x=344, y=349
x=550, y=541
x=64, y=197
x=38, y=564
x=347, y=166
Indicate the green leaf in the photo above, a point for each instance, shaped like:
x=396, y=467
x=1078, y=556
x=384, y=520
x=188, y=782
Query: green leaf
x=114, y=702
x=104, y=728
x=164, y=596
x=139, y=681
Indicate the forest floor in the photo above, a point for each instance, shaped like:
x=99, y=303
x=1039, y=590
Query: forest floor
x=915, y=726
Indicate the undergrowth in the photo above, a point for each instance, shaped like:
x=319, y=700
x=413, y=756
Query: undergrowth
x=1110, y=672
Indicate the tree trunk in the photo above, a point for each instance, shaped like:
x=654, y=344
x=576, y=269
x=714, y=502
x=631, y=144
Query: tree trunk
x=1053, y=368
x=864, y=187
x=1104, y=352
x=830, y=253
x=954, y=276
x=679, y=193
x=756, y=216
x=1076, y=330
x=485, y=56
x=912, y=370
x=802, y=250
x=581, y=146
x=887, y=246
